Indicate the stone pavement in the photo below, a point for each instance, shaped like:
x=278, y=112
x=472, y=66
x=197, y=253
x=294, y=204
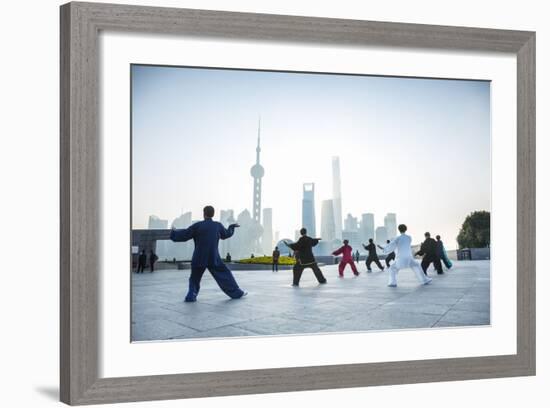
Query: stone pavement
x=460, y=297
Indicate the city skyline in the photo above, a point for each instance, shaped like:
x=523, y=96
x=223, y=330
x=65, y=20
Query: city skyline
x=194, y=136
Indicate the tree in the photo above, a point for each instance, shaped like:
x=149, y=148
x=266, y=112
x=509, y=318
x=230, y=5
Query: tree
x=475, y=231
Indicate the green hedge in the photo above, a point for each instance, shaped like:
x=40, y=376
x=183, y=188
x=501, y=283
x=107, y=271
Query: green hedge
x=267, y=260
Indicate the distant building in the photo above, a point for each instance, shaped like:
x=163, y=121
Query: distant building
x=308, y=209
x=157, y=223
x=350, y=223
x=336, y=197
x=390, y=223
x=367, y=227
x=183, y=221
x=352, y=237
x=351, y=231
x=267, y=237
x=227, y=217
x=328, y=229
x=381, y=236
x=246, y=239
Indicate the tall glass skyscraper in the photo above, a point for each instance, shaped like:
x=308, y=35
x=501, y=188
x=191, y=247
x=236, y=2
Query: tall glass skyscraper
x=327, y=221
x=367, y=227
x=390, y=223
x=308, y=209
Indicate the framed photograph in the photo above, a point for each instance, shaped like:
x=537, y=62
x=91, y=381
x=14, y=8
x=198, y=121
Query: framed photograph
x=257, y=203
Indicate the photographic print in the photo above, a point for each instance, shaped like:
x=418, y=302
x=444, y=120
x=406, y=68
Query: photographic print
x=288, y=203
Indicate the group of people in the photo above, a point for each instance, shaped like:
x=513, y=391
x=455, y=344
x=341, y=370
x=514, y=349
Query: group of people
x=142, y=261
x=399, y=251
x=207, y=233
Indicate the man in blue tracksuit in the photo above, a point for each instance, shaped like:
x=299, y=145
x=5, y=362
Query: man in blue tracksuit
x=206, y=235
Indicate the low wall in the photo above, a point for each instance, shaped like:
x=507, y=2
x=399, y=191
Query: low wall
x=474, y=254
x=235, y=266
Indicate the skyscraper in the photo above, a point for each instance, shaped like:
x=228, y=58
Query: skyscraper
x=350, y=223
x=327, y=221
x=367, y=227
x=337, y=197
x=381, y=236
x=308, y=209
x=390, y=223
x=267, y=237
x=257, y=172
x=156, y=223
x=351, y=232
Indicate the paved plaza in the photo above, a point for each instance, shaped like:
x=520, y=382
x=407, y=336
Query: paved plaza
x=460, y=297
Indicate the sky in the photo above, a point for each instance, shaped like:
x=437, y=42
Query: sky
x=416, y=147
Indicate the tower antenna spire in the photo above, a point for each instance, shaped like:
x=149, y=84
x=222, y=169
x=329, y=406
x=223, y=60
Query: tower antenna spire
x=258, y=149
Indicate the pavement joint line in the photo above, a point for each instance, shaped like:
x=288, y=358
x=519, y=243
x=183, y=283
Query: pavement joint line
x=454, y=304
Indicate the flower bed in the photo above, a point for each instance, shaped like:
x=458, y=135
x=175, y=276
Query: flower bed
x=267, y=260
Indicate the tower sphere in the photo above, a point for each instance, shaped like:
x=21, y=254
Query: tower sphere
x=257, y=171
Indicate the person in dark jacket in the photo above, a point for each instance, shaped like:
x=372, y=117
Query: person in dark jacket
x=275, y=259
x=142, y=260
x=152, y=259
x=206, y=235
x=390, y=257
x=373, y=256
x=428, y=250
x=304, y=258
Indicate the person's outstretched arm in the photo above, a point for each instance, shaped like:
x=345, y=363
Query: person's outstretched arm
x=422, y=250
x=228, y=232
x=182, y=235
x=390, y=247
x=338, y=251
x=292, y=246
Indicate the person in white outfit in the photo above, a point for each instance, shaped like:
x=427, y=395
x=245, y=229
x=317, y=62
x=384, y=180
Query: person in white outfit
x=404, y=258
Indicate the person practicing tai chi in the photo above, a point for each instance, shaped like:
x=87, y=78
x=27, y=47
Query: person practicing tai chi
x=304, y=257
x=428, y=249
x=275, y=260
x=390, y=257
x=442, y=253
x=373, y=256
x=347, y=258
x=206, y=235
x=401, y=245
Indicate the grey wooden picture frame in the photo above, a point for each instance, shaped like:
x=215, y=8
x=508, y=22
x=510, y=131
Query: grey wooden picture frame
x=80, y=235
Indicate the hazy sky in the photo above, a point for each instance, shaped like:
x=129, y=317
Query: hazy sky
x=416, y=147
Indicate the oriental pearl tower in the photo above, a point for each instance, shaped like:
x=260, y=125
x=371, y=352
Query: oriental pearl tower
x=257, y=172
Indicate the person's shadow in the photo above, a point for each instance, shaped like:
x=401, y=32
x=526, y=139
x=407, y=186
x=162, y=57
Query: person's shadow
x=51, y=393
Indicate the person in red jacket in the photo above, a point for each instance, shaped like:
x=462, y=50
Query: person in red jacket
x=347, y=258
